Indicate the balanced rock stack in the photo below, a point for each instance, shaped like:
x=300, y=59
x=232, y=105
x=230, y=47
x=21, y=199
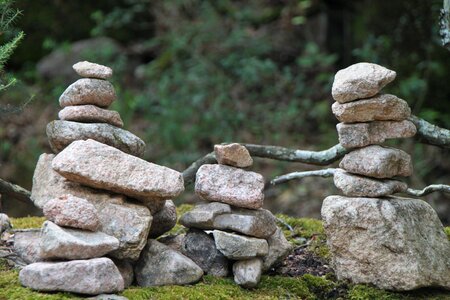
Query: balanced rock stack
x=232, y=229
x=394, y=243
x=101, y=200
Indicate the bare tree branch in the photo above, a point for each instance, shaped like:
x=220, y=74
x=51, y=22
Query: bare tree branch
x=428, y=133
x=444, y=24
x=14, y=191
x=428, y=190
x=299, y=175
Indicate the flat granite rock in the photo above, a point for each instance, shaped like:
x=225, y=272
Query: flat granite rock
x=201, y=248
x=90, y=114
x=61, y=134
x=361, y=80
x=161, y=265
x=230, y=185
x=247, y=273
x=92, y=277
x=376, y=132
x=238, y=247
x=72, y=211
x=62, y=243
x=92, y=70
x=128, y=222
x=48, y=185
x=234, y=155
x=378, y=162
x=117, y=171
x=88, y=91
x=361, y=186
x=26, y=245
x=393, y=243
x=202, y=215
x=164, y=220
x=383, y=107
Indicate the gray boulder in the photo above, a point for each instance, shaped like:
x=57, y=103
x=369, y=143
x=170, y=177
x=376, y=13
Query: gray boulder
x=201, y=248
x=92, y=277
x=238, y=247
x=61, y=134
x=161, y=265
x=27, y=245
x=393, y=243
x=202, y=215
x=62, y=243
x=164, y=220
x=279, y=248
x=247, y=273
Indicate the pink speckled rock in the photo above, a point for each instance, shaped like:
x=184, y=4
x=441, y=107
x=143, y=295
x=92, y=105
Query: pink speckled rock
x=88, y=91
x=361, y=80
x=90, y=114
x=230, y=185
x=101, y=166
x=92, y=70
x=234, y=155
x=71, y=211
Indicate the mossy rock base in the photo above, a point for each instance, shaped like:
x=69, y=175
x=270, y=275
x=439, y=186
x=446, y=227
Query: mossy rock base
x=271, y=287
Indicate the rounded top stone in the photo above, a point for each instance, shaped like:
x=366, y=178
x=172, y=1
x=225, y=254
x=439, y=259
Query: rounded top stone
x=92, y=70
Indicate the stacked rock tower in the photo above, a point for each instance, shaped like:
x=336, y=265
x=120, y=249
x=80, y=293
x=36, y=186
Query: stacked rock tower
x=392, y=242
x=101, y=200
x=232, y=229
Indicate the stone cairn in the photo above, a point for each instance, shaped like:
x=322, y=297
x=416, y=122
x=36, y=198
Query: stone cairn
x=101, y=200
x=232, y=228
x=105, y=207
x=392, y=242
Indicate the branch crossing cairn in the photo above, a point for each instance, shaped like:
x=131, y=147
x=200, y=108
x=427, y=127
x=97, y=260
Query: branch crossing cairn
x=232, y=227
x=392, y=242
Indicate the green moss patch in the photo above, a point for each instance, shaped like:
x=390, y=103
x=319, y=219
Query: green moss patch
x=25, y=223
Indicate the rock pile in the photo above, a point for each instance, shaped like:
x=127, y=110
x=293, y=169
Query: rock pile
x=394, y=243
x=101, y=200
x=232, y=228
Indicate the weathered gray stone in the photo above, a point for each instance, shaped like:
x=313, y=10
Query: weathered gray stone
x=259, y=223
x=62, y=133
x=48, y=185
x=164, y=220
x=361, y=186
x=88, y=91
x=117, y=171
x=90, y=114
x=234, y=155
x=26, y=245
x=161, y=265
x=202, y=215
x=155, y=205
x=72, y=211
x=394, y=243
x=383, y=107
x=379, y=162
x=279, y=248
x=93, y=276
x=376, y=132
x=247, y=273
x=5, y=223
x=174, y=242
x=239, y=247
x=361, y=80
x=230, y=185
x=92, y=70
x=129, y=223
x=201, y=248
x=126, y=270
x=62, y=243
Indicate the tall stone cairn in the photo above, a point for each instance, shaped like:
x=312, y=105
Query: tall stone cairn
x=102, y=201
x=232, y=228
x=392, y=242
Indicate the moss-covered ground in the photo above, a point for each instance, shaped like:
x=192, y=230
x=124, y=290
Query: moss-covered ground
x=271, y=287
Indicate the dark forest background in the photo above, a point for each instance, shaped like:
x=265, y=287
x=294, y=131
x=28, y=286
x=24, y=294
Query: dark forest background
x=193, y=73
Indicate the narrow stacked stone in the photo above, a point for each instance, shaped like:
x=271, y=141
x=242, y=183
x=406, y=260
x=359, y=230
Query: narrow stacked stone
x=232, y=228
x=394, y=243
x=99, y=197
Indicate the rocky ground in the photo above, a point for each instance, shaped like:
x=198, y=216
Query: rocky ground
x=304, y=274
